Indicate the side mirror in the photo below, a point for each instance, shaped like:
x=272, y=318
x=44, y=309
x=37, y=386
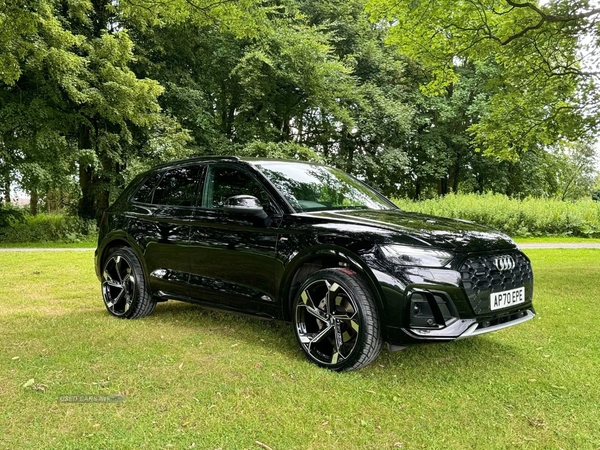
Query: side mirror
x=244, y=204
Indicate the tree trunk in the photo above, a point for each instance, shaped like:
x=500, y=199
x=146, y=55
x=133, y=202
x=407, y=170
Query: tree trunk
x=33, y=202
x=480, y=184
x=443, y=186
x=285, y=129
x=87, y=202
x=6, y=186
x=300, y=128
x=103, y=185
x=455, y=175
x=350, y=159
x=417, y=189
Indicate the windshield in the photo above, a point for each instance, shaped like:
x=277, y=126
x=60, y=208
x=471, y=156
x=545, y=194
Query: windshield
x=309, y=187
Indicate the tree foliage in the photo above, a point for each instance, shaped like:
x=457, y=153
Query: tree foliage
x=71, y=102
x=542, y=90
x=419, y=98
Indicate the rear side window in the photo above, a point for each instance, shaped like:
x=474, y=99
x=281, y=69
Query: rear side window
x=178, y=187
x=144, y=193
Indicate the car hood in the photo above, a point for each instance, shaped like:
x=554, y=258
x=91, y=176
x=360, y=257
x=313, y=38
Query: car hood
x=422, y=229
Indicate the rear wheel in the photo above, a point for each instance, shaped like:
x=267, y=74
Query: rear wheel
x=336, y=320
x=123, y=286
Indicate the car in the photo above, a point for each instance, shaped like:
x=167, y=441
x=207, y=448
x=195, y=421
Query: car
x=308, y=244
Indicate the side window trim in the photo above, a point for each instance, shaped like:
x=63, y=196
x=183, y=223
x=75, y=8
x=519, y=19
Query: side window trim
x=207, y=186
x=151, y=196
x=203, y=171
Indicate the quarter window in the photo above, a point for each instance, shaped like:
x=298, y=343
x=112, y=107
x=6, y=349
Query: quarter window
x=144, y=193
x=178, y=187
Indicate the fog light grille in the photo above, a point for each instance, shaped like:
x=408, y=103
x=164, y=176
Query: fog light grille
x=430, y=310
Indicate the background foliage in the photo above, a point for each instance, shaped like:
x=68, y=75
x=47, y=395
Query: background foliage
x=420, y=99
x=526, y=217
x=49, y=228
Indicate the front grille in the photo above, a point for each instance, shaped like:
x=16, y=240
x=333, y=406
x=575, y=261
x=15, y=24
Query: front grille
x=480, y=277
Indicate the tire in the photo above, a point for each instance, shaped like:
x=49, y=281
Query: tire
x=336, y=321
x=124, y=289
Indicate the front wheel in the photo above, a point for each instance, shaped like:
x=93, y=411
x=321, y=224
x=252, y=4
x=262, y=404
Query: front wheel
x=123, y=286
x=336, y=320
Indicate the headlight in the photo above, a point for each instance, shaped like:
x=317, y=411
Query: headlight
x=404, y=255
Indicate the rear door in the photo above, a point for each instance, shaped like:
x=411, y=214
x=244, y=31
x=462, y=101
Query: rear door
x=233, y=259
x=166, y=229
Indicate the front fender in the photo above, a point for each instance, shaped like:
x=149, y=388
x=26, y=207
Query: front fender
x=342, y=255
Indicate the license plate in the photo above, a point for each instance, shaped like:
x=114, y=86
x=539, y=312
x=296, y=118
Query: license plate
x=504, y=299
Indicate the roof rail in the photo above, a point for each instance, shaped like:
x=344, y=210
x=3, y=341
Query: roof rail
x=201, y=158
x=196, y=158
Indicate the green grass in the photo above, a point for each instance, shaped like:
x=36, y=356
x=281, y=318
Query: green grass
x=209, y=380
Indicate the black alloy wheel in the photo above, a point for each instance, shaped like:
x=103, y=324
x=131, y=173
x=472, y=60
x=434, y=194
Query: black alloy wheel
x=336, y=321
x=123, y=286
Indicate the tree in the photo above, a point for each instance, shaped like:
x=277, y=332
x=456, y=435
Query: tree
x=576, y=170
x=542, y=92
x=281, y=86
x=73, y=100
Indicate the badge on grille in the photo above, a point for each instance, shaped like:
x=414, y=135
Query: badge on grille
x=504, y=262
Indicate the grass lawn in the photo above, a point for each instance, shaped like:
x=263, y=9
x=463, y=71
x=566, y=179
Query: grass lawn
x=197, y=379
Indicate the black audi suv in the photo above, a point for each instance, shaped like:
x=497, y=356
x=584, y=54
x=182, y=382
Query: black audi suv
x=309, y=244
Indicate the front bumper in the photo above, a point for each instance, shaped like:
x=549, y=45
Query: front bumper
x=464, y=328
x=446, y=304
x=477, y=328
x=457, y=328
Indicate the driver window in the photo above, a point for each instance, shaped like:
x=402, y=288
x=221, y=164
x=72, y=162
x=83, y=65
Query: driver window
x=225, y=182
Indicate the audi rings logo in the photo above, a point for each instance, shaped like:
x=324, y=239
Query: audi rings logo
x=504, y=262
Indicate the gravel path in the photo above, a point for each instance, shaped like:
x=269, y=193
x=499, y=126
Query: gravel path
x=561, y=245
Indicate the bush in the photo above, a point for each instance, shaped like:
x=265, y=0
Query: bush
x=528, y=217
x=49, y=227
x=10, y=215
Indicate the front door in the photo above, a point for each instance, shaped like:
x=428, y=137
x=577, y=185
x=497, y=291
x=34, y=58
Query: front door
x=233, y=260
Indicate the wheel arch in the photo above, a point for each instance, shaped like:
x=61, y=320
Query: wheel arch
x=313, y=259
x=116, y=240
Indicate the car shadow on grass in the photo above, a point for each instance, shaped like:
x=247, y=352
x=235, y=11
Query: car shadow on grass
x=275, y=335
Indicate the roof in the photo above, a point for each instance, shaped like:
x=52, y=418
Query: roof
x=193, y=159
x=250, y=160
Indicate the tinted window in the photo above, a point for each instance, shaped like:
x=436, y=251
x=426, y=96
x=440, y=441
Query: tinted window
x=311, y=187
x=143, y=194
x=225, y=182
x=178, y=187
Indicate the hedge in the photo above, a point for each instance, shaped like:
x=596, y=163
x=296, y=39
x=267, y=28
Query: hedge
x=527, y=217
x=49, y=227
